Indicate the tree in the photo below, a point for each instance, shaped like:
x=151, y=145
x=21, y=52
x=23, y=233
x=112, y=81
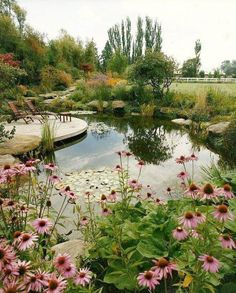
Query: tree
x=153, y=39
x=138, y=45
x=189, y=68
x=197, y=50
x=6, y=6
x=105, y=56
x=91, y=54
x=155, y=69
x=20, y=15
x=229, y=67
x=118, y=63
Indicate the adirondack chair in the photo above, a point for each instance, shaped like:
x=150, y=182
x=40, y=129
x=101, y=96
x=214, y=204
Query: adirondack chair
x=34, y=111
x=19, y=114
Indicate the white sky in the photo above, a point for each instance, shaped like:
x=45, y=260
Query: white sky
x=183, y=21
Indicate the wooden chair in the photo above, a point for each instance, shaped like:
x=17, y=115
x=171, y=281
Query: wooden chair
x=34, y=111
x=19, y=114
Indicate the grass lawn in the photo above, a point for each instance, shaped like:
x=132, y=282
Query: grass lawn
x=202, y=88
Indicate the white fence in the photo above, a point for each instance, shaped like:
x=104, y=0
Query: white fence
x=205, y=80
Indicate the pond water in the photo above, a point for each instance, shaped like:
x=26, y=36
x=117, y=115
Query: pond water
x=155, y=142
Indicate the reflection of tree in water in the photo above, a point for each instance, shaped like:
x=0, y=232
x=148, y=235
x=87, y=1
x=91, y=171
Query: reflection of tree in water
x=148, y=142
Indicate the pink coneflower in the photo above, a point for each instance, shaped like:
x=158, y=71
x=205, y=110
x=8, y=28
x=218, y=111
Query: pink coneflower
x=3, y=179
x=179, y=234
x=183, y=175
x=10, y=271
x=42, y=226
x=134, y=184
x=29, y=167
x=62, y=261
x=69, y=271
x=16, y=236
x=192, y=191
x=193, y=233
x=200, y=217
x=54, y=179
x=210, y=263
x=33, y=161
x=23, y=268
x=148, y=279
x=118, y=168
x=158, y=201
x=33, y=283
x=222, y=213
x=8, y=171
x=106, y=212
x=83, y=277
x=226, y=191
x=13, y=286
x=227, y=242
x=69, y=193
x=55, y=284
x=112, y=196
x=140, y=164
x=126, y=154
x=103, y=198
x=189, y=220
x=163, y=267
x=118, y=153
x=42, y=277
x=84, y=221
x=181, y=160
x=192, y=158
x=19, y=169
x=26, y=240
x=7, y=256
x=50, y=167
x=10, y=204
x=208, y=192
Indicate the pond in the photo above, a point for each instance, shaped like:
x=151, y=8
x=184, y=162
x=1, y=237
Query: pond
x=155, y=142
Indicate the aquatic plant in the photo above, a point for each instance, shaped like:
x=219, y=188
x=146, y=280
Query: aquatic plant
x=48, y=134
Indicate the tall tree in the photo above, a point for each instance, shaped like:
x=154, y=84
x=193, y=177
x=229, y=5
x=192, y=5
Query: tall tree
x=105, y=56
x=6, y=6
x=197, y=50
x=139, y=38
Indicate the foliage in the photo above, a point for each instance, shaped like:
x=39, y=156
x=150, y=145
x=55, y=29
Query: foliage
x=6, y=134
x=54, y=79
x=191, y=66
x=117, y=63
x=148, y=110
x=48, y=134
x=229, y=67
x=155, y=69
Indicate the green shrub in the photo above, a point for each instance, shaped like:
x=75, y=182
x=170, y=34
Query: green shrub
x=148, y=110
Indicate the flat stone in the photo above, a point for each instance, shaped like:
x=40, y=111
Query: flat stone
x=75, y=248
x=8, y=160
x=19, y=144
x=118, y=104
x=62, y=130
x=218, y=128
x=181, y=121
x=48, y=96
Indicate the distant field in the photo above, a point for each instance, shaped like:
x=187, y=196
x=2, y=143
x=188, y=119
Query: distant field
x=202, y=88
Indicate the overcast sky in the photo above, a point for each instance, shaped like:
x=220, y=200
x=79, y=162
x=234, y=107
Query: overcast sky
x=183, y=22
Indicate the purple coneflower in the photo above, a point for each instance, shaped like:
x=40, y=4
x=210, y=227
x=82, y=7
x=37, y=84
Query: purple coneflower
x=227, y=242
x=226, y=191
x=163, y=267
x=133, y=183
x=23, y=268
x=118, y=168
x=210, y=263
x=179, y=234
x=208, y=191
x=54, y=179
x=181, y=160
x=192, y=158
x=69, y=271
x=148, y=279
x=50, y=167
x=188, y=220
x=183, y=175
x=83, y=277
x=55, y=284
x=7, y=256
x=42, y=226
x=29, y=167
x=192, y=191
x=222, y=213
x=200, y=217
x=84, y=221
x=26, y=240
x=112, y=196
x=106, y=212
x=62, y=261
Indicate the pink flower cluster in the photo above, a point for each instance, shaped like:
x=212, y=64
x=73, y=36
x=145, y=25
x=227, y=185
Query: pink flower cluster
x=161, y=269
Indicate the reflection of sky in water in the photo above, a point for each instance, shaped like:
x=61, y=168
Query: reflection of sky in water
x=95, y=152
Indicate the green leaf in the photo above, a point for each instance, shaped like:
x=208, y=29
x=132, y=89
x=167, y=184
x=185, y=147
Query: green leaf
x=152, y=248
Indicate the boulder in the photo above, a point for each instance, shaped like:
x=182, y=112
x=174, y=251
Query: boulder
x=218, y=128
x=181, y=121
x=118, y=104
x=8, y=160
x=96, y=104
x=75, y=248
x=19, y=144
